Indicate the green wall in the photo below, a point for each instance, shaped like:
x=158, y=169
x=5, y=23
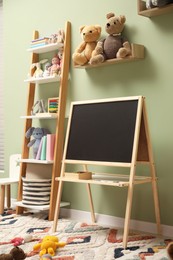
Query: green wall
x=151, y=77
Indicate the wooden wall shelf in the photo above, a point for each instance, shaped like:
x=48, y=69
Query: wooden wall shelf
x=137, y=53
x=154, y=11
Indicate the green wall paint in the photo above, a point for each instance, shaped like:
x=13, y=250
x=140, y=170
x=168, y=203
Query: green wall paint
x=151, y=77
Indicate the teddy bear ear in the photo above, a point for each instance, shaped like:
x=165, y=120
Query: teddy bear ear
x=109, y=15
x=122, y=19
x=98, y=27
x=81, y=28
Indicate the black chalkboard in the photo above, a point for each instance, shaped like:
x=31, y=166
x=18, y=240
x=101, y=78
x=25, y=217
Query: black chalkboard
x=102, y=131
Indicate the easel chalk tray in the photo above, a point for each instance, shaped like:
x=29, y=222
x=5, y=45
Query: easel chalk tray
x=82, y=175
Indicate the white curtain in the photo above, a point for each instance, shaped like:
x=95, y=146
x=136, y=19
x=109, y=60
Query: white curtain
x=1, y=92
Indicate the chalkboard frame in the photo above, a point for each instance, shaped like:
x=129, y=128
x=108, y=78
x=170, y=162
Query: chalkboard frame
x=67, y=160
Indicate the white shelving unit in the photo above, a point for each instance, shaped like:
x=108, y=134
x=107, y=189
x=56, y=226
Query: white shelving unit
x=62, y=81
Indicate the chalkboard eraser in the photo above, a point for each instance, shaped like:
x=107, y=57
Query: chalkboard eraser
x=81, y=175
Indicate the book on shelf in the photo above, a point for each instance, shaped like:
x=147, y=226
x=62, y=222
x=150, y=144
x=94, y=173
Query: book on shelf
x=40, y=39
x=50, y=147
x=38, y=156
x=46, y=148
x=38, y=45
x=43, y=149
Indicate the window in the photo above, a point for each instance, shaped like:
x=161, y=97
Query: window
x=1, y=93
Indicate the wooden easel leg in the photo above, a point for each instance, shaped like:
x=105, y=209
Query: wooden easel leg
x=57, y=209
x=8, y=191
x=90, y=197
x=91, y=202
x=156, y=200
x=127, y=215
x=2, y=198
x=153, y=172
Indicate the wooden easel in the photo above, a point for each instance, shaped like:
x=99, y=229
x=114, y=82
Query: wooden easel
x=141, y=153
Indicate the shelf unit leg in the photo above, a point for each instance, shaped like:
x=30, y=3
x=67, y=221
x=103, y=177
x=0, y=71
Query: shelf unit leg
x=8, y=192
x=2, y=198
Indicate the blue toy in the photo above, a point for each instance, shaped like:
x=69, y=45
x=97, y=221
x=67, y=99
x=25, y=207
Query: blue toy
x=37, y=134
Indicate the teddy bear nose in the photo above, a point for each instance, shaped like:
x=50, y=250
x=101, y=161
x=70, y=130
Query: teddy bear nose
x=108, y=24
x=83, y=33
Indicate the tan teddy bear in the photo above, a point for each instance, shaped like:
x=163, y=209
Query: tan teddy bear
x=114, y=45
x=90, y=34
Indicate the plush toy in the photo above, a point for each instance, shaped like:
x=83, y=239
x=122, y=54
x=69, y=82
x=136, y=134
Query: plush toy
x=54, y=69
x=57, y=37
x=48, y=245
x=15, y=254
x=37, y=133
x=90, y=34
x=170, y=250
x=114, y=45
x=157, y=3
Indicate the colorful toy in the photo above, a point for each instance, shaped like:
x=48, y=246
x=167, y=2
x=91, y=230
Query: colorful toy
x=37, y=133
x=57, y=37
x=90, y=34
x=54, y=69
x=157, y=3
x=60, y=56
x=48, y=245
x=38, y=72
x=16, y=253
x=114, y=45
x=38, y=107
x=53, y=105
x=46, y=72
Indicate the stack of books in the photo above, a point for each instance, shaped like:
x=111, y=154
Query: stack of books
x=46, y=148
x=53, y=105
x=39, y=42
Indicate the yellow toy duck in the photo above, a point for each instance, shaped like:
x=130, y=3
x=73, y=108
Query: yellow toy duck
x=48, y=245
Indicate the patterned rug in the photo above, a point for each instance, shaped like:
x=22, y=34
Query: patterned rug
x=85, y=241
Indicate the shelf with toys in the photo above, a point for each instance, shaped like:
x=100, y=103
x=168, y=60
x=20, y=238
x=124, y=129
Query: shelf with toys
x=47, y=48
x=137, y=54
x=112, y=49
x=43, y=80
x=42, y=116
x=37, y=138
x=146, y=8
